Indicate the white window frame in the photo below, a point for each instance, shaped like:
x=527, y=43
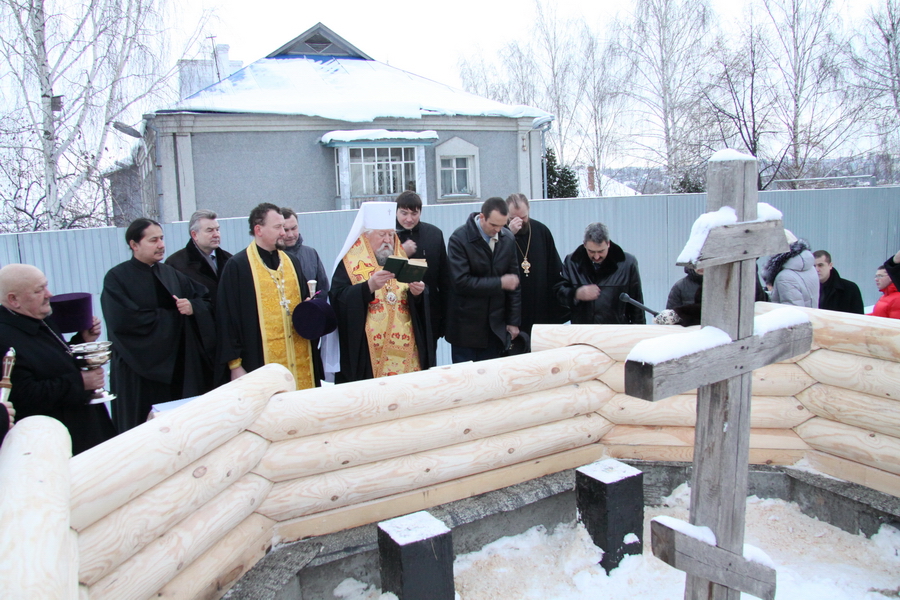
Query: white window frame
x=452, y=149
x=343, y=167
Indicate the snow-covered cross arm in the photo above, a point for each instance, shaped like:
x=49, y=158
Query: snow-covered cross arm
x=661, y=367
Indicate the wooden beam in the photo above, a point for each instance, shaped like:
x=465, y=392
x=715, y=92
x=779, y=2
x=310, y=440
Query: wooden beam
x=859, y=445
x=864, y=374
x=711, y=562
x=655, y=382
x=740, y=241
x=853, y=408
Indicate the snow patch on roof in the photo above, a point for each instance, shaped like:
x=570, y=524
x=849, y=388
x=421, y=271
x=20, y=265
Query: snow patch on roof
x=344, y=89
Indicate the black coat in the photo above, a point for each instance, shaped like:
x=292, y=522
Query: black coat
x=430, y=246
x=617, y=273
x=539, y=303
x=47, y=381
x=189, y=261
x=479, y=304
x=840, y=294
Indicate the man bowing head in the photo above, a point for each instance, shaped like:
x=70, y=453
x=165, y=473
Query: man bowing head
x=380, y=319
x=258, y=291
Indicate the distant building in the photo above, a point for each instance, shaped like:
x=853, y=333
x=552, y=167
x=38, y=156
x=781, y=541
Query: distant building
x=319, y=125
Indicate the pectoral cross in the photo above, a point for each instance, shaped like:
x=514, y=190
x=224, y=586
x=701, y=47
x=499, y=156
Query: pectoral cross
x=723, y=377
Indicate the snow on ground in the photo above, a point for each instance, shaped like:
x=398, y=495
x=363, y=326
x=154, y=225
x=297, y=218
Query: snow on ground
x=815, y=561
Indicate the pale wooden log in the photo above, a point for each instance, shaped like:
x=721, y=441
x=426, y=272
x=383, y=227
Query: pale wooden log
x=710, y=562
x=853, y=334
x=160, y=561
x=221, y=566
x=616, y=341
x=859, y=373
x=614, y=377
x=740, y=241
x=859, y=445
x=853, y=408
x=781, y=379
x=758, y=456
x=365, y=402
x=404, y=503
x=770, y=412
x=37, y=552
x=657, y=381
x=346, y=448
x=113, y=539
x=848, y=470
x=119, y=470
x=638, y=435
x=317, y=493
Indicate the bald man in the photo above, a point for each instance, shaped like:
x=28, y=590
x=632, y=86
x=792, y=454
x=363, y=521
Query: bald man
x=46, y=380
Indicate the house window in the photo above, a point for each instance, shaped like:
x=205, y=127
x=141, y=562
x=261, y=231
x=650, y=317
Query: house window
x=382, y=171
x=456, y=176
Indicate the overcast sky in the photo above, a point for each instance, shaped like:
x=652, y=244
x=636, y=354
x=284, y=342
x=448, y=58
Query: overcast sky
x=424, y=38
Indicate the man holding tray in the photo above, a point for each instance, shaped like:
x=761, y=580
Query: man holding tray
x=46, y=379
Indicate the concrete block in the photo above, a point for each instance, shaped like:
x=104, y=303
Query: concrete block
x=416, y=553
x=609, y=496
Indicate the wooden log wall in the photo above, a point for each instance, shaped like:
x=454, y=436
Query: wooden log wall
x=183, y=505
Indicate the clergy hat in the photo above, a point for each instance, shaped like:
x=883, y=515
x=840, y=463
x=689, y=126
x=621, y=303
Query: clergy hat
x=314, y=318
x=73, y=312
x=520, y=345
x=371, y=215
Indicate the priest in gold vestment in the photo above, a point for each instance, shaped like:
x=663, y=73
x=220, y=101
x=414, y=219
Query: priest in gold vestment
x=380, y=320
x=258, y=290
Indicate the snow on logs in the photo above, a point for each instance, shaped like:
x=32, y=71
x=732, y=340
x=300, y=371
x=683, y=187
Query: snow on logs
x=39, y=557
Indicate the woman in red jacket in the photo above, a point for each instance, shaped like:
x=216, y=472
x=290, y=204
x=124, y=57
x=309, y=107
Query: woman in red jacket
x=889, y=303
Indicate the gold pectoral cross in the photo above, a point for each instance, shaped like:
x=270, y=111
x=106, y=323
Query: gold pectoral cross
x=526, y=266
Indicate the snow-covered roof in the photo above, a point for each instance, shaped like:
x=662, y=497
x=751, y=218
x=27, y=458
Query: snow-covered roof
x=336, y=138
x=344, y=88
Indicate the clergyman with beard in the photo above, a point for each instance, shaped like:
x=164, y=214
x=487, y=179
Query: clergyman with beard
x=380, y=320
x=259, y=288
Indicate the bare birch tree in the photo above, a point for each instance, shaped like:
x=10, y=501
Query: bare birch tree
x=667, y=45
x=818, y=113
x=76, y=67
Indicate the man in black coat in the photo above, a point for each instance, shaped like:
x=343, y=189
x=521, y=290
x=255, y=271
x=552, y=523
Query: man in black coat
x=425, y=241
x=161, y=326
x=202, y=259
x=486, y=308
x=835, y=292
x=539, y=266
x=46, y=379
x=593, y=278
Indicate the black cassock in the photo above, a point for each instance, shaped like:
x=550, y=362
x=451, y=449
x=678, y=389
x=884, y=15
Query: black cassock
x=237, y=316
x=539, y=303
x=158, y=354
x=351, y=304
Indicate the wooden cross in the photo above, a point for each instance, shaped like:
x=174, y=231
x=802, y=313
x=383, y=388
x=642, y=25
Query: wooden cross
x=723, y=377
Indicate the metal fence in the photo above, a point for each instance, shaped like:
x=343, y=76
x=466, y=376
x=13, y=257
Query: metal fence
x=858, y=226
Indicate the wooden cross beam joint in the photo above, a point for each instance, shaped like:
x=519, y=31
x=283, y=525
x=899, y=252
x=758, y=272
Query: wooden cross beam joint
x=655, y=382
x=711, y=563
x=740, y=241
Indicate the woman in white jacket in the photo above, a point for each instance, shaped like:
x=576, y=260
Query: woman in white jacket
x=793, y=276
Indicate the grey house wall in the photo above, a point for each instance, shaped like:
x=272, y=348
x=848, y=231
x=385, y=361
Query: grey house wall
x=858, y=226
x=235, y=171
x=232, y=162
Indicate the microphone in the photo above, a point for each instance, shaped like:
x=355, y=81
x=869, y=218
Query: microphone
x=623, y=297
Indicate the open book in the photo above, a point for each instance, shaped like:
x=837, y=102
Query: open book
x=406, y=270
